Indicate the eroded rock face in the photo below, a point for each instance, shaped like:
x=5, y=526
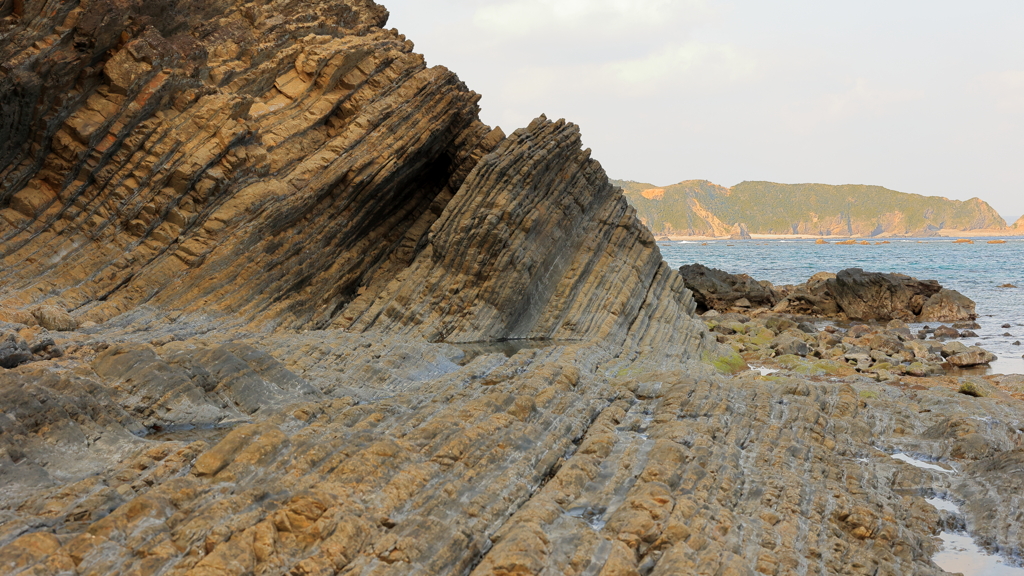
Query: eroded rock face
x=251, y=234
x=719, y=290
x=852, y=294
x=194, y=155
x=877, y=296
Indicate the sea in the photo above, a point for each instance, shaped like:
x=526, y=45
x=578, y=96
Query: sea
x=976, y=270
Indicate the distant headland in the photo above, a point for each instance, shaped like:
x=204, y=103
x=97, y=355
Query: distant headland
x=696, y=209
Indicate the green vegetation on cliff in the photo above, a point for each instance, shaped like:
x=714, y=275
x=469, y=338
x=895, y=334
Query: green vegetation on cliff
x=698, y=207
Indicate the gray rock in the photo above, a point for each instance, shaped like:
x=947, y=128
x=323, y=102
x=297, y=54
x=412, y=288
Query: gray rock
x=779, y=324
x=715, y=289
x=887, y=343
x=875, y=296
x=924, y=369
x=786, y=344
x=948, y=306
x=14, y=352
x=974, y=356
x=967, y=325
x=954, y=348
x=807, y=327
x=879, y=356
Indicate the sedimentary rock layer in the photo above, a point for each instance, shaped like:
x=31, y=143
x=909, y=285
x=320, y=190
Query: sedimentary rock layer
x=240, y=242
x=532, y=464
x=536, y=245
x=266, y=161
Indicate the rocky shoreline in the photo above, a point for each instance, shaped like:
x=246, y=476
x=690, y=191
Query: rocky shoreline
x=275, y=301
x=763, y=321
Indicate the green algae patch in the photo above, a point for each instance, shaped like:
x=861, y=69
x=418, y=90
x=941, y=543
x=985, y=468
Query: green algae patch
x=867, y=394
x=761, y=337
x=971, y=388
x=813, y=367
x=730, y=363
x=737, y=327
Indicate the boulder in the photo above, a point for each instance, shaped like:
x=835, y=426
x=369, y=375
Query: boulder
x=864, y=295
x=946, y=332
x=54, y=318
x=14, y=351
x=953, y=348
x=859, y=331
x=898, y=326
x=947, y=306
x=811, y=298
x=924, y=369
x=718, y=290
x=789, y=345
x=807, y=328
x=974, y=356
x=967, y=325
x=976, y=387
x=886, y=343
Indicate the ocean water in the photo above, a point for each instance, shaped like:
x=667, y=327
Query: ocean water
x=976, y=270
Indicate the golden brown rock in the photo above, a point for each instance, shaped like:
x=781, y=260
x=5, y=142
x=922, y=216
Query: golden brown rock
x=330, y=323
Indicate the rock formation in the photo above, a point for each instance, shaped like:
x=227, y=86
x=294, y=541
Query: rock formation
x=700, y=208
x=715, y=289
x=852, y=294
x=273, y=300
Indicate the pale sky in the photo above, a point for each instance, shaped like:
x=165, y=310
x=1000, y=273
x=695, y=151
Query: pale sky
x=917, y=96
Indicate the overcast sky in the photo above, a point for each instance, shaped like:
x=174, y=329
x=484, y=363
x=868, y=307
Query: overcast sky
x=918, y=96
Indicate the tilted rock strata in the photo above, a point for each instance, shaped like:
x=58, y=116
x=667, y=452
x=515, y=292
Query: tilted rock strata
x=213, y=197
x=257, y=216
x=202, y=179
x=528, y=464
x=536, y=245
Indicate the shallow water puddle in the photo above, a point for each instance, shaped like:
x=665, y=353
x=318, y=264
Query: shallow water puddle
x=960, y=554
x=940, y=504
x=920, y=463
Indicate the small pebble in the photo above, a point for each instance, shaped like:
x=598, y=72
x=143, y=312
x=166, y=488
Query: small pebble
x=1007, y=334
x=1006, y=326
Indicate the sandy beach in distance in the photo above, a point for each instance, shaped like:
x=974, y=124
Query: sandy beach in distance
x=945, y=233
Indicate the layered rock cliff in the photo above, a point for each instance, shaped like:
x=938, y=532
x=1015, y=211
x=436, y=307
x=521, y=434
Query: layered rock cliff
x=700, y=208
x=275, y=301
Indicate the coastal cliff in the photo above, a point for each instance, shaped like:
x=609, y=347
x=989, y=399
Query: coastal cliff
x=273, y=300
x=700, y=208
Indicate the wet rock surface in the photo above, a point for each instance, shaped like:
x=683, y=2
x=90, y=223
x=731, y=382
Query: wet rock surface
x=275, y=301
